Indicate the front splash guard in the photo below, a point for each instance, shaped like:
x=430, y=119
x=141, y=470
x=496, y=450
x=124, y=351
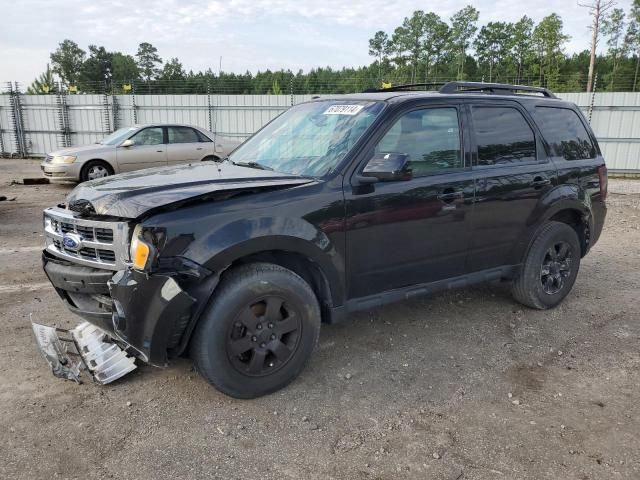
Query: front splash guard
x=84, y=347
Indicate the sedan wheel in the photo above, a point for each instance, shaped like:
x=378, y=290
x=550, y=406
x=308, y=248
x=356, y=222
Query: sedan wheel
x=97, y=171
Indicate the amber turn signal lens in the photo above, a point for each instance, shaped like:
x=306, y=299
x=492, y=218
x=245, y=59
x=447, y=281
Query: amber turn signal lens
x=139, y=254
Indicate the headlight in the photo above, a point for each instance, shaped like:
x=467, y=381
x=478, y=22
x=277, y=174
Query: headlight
x=141, y=252
x=64, y=159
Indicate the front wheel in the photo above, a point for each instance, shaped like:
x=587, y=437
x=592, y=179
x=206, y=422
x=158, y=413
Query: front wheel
x=258, y=331
x=550, y=267
x=95, y=169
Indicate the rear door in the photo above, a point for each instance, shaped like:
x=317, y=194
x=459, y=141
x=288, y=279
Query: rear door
x=512, y=172
x=186, y=145
x=148, y=150
x=403, y=233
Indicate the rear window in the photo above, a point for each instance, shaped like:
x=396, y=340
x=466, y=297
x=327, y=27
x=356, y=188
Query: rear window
x=566, y=134
x=503, y=136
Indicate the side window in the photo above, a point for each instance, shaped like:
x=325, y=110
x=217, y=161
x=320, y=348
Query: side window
x=202, y=137
x=565, y=133
x=182, y=135
x=431, y=138
x=149, y=136
x=503, y=136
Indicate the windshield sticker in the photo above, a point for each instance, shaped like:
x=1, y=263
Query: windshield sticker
x=343, y=109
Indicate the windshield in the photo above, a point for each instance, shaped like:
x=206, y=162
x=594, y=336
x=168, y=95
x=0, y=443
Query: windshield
x=308, y=139
x=118, y=136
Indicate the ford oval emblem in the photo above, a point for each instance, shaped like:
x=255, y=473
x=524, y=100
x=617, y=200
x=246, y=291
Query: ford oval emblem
x=71, y=241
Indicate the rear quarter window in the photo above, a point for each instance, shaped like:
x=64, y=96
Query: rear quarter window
x=565, y=133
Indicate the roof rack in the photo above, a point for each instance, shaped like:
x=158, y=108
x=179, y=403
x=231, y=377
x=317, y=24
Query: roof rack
x=407, y=86
x=493, y=88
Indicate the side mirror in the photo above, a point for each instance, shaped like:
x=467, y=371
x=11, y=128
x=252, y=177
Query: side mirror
x=388, y=167
x=128, y=143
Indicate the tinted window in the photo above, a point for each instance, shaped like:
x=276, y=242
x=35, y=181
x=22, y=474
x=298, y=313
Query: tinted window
x=149, y=136
x=182, y=135
x=430, y=137
x=565, y=133
x=503, y=136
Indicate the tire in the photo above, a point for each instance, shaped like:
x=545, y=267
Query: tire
x=95, y=169
x=550, y=267
x=244, y=345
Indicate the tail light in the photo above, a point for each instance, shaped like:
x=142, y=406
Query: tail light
x=604, y=182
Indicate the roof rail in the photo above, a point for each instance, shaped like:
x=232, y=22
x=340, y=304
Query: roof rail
x=493, y=88
x=399, y=88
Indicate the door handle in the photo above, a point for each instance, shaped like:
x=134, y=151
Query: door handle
x=199, y=148
x=540, y=182
x=159, y=151
x=449, y=195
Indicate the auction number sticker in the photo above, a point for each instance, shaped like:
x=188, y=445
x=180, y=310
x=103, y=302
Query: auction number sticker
x=343, y=110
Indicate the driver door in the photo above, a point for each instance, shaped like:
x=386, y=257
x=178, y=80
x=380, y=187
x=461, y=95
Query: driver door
x=149, y=150
x=408, y=232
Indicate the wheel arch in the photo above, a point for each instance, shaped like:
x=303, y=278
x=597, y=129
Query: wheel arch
x=565, y=204
x=303, y=266
x=102, y=160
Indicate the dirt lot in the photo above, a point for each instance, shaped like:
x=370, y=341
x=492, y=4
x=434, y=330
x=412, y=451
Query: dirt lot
x=465, y=385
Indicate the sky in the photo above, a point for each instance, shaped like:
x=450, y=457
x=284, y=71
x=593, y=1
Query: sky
x=248, y=34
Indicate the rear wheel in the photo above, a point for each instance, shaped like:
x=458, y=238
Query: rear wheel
x=258, y=331
x=95, y=169
x=550, y=267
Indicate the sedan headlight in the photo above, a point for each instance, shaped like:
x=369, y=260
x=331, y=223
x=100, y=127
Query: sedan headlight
x=64, y=159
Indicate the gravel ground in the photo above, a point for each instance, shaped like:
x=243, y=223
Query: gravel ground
x=464, y=385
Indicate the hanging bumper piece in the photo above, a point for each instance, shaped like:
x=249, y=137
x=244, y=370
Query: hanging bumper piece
x=68, y=352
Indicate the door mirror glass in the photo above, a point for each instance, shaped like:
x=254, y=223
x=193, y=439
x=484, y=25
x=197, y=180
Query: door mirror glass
x=127, y=143
x=389, y=167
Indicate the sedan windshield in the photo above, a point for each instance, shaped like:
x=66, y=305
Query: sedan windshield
x=118, y=136
x=309, y=139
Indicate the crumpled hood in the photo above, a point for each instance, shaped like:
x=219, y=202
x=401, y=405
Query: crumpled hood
x=130, y=195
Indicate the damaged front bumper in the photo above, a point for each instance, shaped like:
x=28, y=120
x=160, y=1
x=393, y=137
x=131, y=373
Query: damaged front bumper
x=151, y=314
x=86, y=347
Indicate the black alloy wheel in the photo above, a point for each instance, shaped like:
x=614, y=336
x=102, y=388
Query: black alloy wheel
x=258, y=330
x=550, y=266
x=556, y=267
x=264, y=336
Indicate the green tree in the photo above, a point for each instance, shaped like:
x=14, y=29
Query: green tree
x=275, y=88
x=96, y=70
x=549, y=41
x=124, y=67
x=613, y=27
x=379, y=47
x=493, y=46
x=44, y=84
x=148, y=61
x=463, y=28
x=67, y=61
x=435, y=39
x=522, y=45
x=632, y=39
x=173, y=70
x=407, y=42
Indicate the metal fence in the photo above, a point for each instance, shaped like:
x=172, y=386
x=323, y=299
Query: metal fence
x=34, y=125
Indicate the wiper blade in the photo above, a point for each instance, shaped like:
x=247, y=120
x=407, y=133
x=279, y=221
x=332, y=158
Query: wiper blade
x=253, y=165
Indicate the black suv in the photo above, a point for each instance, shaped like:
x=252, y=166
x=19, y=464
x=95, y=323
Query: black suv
x=339, y=204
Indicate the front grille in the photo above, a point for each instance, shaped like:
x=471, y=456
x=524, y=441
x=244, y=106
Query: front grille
x=48, y=158
x=95, y=243
x=104, y=235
